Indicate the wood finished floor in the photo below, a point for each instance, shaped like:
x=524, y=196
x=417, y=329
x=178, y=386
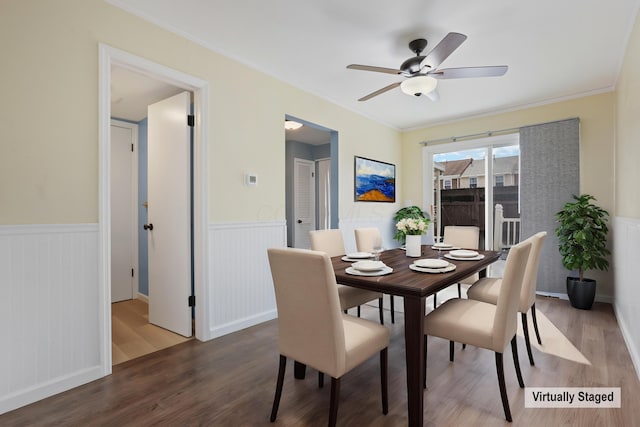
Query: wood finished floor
x=133, y=336
x=230, y=381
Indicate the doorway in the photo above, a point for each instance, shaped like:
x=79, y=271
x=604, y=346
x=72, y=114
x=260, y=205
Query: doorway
x=311, y=180
x=110, y=59
x=477, y=183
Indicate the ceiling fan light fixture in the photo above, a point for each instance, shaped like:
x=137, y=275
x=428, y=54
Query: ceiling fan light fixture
x=292, y=125
x=418, y=85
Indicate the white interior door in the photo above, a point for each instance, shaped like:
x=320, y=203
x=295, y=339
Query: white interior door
x=124, y=241
x=304, y=195
x=169, y=197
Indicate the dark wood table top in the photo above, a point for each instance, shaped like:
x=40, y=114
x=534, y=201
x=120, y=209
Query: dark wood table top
x=406, y=282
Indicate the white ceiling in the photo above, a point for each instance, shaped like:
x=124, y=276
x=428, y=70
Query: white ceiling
x=554, y=49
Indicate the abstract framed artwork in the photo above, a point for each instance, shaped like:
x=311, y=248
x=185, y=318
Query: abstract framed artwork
x=374, y=181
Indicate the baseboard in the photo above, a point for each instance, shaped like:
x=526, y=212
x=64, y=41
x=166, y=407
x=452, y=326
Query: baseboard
x=239, y=324
x=143, y=297
x=627, y=336
x=43, y=390
x=599, y=298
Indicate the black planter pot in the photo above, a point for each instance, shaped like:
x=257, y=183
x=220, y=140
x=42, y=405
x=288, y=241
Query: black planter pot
x=581, y=293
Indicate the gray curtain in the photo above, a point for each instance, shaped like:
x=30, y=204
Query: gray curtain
x=550, y=168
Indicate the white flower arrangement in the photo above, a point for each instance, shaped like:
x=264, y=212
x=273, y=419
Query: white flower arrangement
x=412, y=226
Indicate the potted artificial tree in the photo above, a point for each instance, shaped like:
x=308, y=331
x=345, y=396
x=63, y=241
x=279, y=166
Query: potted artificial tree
x=582, y=238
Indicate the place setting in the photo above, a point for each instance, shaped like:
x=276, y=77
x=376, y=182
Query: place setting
x=430, y=265
x=368, y=268
x=357, y=256
x=464, y=255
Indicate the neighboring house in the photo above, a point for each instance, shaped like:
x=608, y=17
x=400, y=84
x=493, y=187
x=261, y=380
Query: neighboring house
x=470, y=173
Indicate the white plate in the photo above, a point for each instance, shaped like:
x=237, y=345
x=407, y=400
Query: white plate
x=368, y=265
x=414, y=267
x=475, y=258
x=463, y=253
x=442, y=246
x=385, y=270
x=431, y=263
x=359, y=255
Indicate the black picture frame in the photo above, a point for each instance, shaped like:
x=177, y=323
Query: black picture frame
x=374, y=180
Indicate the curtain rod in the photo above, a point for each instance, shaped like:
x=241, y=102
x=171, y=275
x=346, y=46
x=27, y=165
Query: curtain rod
x=471, y=136
x=490, y=133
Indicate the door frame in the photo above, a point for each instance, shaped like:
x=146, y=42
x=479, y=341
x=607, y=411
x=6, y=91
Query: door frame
x=135, y=281
x=109, y=56
x=489, y=143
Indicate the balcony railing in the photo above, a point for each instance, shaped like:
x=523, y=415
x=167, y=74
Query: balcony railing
x=506, y=231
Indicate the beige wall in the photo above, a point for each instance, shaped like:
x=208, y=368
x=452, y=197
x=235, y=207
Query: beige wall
x=597, y=132
x=597, y=123
x=627, y=160
x=49, y=117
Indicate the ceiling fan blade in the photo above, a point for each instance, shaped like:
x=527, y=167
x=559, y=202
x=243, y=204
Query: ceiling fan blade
x=380, y=91
x=372, y=68
x=447, y=45
x=466, y=72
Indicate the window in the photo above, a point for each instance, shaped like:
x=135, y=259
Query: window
x=473, y=182
x=499, y=180
x=447, y=184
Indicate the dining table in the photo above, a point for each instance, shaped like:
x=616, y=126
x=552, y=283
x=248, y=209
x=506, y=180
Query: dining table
x=414, y=287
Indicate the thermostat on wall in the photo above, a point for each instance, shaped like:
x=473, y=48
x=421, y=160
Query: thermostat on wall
x=251, y=179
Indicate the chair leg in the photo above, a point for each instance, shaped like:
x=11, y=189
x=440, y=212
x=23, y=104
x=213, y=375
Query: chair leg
x=435, y=304
x=535, y=322
x=320, y=379
x=276, y=398
x=459, y=290
x=525, y=329
x=393, y=310
x=503, y=389
x=451, y=351
x=358, y=311
x=335, y=398
x=384, y=380
x=516, y=361
x=381, y=310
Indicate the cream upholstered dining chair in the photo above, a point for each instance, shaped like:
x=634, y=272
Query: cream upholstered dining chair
x=332, y=243
x=485, y=325
x=312, y=328
x=487, y=289
x=366, y=239
x=466, y=237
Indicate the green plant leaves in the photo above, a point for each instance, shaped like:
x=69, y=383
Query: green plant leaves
x=582, y=235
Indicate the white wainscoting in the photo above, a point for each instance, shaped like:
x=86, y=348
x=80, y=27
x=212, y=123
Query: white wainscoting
x=49, y=329
x=240, y=286
x=626, y=254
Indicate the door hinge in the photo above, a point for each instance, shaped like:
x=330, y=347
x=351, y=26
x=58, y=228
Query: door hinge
x=191, y=120
x=132, y=148
x=313, y=175
x=132, y=273
x=192, y=301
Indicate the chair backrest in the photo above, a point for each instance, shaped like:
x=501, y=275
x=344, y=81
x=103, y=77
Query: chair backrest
x=310, y=327
x=366, y=238
x=328, y=241
x=505, y=322
x=464, y=236
x=528, y=293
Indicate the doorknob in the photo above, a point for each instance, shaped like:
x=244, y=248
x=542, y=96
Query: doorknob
x=299, y=221
x=148, y=227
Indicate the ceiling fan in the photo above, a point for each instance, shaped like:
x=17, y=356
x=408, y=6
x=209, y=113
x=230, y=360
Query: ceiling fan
x=422, y=71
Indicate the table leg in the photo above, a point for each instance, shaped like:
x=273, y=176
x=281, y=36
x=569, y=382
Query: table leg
x=414, y=347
